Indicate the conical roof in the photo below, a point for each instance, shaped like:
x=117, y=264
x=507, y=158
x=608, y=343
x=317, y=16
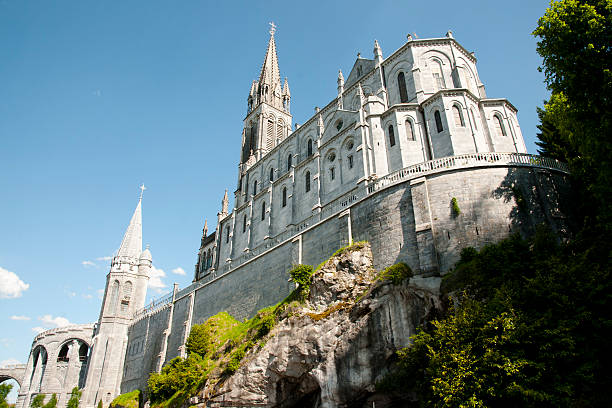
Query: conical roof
x=131, y=246
x=270, y=74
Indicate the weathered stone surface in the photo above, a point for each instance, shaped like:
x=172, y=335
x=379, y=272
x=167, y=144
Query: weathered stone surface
x=311, y=359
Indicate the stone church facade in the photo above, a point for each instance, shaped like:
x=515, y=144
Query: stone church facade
x=405, y=137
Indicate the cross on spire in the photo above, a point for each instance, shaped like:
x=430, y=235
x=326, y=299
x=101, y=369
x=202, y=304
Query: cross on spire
x=142, y=189
x=272, y=28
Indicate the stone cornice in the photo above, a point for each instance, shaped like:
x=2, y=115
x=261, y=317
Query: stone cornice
x=450, y=92
x=497, y=102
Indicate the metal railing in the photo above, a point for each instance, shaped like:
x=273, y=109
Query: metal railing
x=155, y=305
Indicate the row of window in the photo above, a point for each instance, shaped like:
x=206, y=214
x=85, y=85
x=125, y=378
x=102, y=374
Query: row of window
x=500, y=130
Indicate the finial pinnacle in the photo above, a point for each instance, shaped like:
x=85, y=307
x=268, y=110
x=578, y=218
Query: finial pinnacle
x=142, y=189
x=272, y=27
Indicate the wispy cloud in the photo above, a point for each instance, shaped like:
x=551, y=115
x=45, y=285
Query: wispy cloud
x=87, y=296
x=10, y=285
x=38, y=329
x=88, y=264
x=104, y=258
x=14, y=317
x=179, y=271
x=100, y=293
x=155, y=279
x=57, y=321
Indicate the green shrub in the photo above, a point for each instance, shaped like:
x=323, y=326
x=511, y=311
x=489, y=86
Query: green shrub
x=99, y=404
x=127, y=400
x=52, y=403
x=302, y=276
x=396, y=273
x=234, y=362
x=455, y=207
x=178, y=375
x=38, y=401
x=75, y=398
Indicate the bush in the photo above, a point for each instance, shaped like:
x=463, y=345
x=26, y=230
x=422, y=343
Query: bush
x=127, y=400
x=302, y=276
x=179, y=374
x=53, y=402
x=234, y=362
x=455, y=207
x=38, y=401
x=396, y=273
x=75, y=398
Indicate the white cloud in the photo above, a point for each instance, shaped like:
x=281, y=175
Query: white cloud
x=58, y=321
x=10, y=285
x=100, y=293
x=10, y=361
x=88, y=263
x=38, y=329
x=14, y=317
x=87, y=296
x=155, y=279
x=179, y=271
x=104, y=258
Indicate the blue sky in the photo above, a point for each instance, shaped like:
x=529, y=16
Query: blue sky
x=99, y=97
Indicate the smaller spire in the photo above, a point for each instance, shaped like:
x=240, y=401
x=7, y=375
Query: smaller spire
x=377, y=52
x=286, y=91
x=340, y=89
x=320, y=125
x=360, y=93
x=205, y=229
x=224, y=203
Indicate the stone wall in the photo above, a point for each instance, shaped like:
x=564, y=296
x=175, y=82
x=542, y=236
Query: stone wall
x=411, y=221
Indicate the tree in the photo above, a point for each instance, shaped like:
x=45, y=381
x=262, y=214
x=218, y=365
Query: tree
x=75, y=397
x=38, y=401
x=100, y=404
x=5, y=389
x=199, y=340
x=574, y=42
x=52, y=402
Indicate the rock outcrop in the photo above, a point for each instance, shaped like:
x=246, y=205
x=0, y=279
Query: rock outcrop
x=331, y=350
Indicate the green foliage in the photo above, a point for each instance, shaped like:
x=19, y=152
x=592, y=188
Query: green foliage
x=100, y=404
x=52, y=403
x=75, y=398
x=38, y=401
x=302, y=276
x=396, y=273
x=574, y=42
x=234, y=362
x=127, y=400
x=5, y=389
x=352, y=247
x=455, y=207
x=529, y=328
x=179, y=374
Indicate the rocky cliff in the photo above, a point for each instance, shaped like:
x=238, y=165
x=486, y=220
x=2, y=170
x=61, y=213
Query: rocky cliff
x=330, y=350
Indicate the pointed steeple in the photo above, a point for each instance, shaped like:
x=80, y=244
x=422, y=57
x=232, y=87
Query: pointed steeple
x=270, y=74
x=224, y=203
x=377, y=52
x=286, y=91
x=131, y=246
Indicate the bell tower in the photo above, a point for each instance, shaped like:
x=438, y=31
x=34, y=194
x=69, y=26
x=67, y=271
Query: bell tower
x=124, y=294
x=268, y=119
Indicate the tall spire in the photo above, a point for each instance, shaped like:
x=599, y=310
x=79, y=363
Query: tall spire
x=131, y=246
x=224, y=203
x=269, y=79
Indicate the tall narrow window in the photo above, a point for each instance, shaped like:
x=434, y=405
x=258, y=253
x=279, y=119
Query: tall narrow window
x=113, y=297
x=271, y=174
x=263, y=211
x=253, y=137
x=438, y=119
x=244, y=223
x=401, y=82
x=125, y=299
x=270, y=136
x=332, y=173
x=307, y=181
x=284, y=196
x=350, y=161
x=499, y=126
x=289, y=157
x=474, y=119
x=391, y=136
x=457, y=115
x=309, y=148
x=437, y=76
x=279, y=131
x=255, y=187
x=409, y=130
x=227, y=231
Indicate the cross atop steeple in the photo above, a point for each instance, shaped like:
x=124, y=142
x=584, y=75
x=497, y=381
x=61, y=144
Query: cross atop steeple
x=142, y=189
x=272, y=28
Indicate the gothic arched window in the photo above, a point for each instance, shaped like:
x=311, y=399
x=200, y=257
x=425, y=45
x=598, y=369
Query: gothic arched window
x=63, y=354
x=244, y=223
x=114, y=294
x=409, y=130
x=391, y=136
x=284, y=196
x=401, y=82
x=227, y=232
x=263, y=211
x=271, y=174
x=289, y=157
x=307, y=181
x=309, y=149
x=458, y=117
x=499, y=125
x=438, y=119
x=255, y=187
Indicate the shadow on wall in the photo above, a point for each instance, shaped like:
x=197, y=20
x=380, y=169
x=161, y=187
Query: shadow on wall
x=539, y=196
